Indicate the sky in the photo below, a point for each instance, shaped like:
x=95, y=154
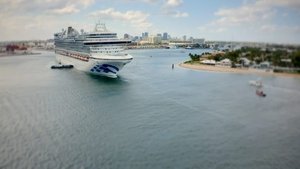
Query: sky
x=271, y=21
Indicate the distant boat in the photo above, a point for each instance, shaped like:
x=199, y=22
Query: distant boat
x=189, y=47
x=260, y=93
x=255, y=83
x=259, y=86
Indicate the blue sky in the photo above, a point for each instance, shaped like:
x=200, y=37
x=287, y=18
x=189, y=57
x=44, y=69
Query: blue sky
x=275, y=21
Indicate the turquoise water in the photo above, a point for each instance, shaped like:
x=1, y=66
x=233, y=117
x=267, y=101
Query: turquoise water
x=152, y=116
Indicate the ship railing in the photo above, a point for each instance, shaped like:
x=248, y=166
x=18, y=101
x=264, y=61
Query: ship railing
x=104, y=40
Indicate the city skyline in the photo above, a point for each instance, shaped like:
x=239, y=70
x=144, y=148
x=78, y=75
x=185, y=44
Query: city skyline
x=276, y=21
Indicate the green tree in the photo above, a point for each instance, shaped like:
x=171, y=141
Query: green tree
x=217, y=57
x=194, y=57
x=296, y=58
x=277, y=56
x=232, y=55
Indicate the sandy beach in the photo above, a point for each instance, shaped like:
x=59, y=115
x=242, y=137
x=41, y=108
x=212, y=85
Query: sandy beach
x=226, y=69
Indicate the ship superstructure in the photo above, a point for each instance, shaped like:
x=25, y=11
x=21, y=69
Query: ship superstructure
x=99, y=52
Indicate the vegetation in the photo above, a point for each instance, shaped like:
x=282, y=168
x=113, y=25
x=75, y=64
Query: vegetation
x=283, y=59
x=295, y=56
x=194, y=57
x=279, y=57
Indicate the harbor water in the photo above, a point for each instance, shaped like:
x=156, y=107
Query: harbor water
x=152, y=116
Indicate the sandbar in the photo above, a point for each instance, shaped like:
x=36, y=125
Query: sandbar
x=226, y=69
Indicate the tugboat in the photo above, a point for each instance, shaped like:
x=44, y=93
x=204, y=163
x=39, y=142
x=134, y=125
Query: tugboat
x=61, y=66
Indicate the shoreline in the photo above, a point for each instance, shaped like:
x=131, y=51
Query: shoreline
x=17, y=54
x=224, y=69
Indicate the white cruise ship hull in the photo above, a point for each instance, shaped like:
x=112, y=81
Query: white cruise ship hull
x=108, y=66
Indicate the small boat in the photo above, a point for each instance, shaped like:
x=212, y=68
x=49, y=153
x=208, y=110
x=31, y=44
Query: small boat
x=189, y=47
x=260, y=93
x=61, y=66
x=255, y=83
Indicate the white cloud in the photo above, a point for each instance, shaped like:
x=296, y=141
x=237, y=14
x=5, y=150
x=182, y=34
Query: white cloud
x=250, y=14
x=66, y=10
x=255, y=20
x=281, y=28
x=37, y=19
x=135, y=18
x=147, y=1
x=280, y=3
x=16, y=7
x=180, y=14
x=268, y=28
x=175, y=13
x=245, y=14
x=151, y=1
x=30, y=27
x=86, y=3
x=169, y=8
x=207, y=29
x=256, y=12
x=173, y=3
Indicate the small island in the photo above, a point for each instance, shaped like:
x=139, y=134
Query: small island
x=282, y=62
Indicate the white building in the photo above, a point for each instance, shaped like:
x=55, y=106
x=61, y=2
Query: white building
x=265, y=65
x=224, y=62
x=198, y=41
x=155, y=40
x=208, y=62
x=245, y=61
x=49, y=45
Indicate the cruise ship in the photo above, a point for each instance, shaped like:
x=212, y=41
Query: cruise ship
x=99, y=52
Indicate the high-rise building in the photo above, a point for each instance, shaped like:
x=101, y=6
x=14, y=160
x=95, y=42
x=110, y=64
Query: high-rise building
x=184, y=38
x=145, y=35
x=136, y=38
x=165, y=36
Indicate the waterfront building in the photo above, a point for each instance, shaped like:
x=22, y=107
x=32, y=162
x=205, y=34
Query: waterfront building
x=198, y=41
x=155, y=40
x=179, y=43
x=145, y=35
x=165, y=36
x=224, y=62
x=136, y=38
